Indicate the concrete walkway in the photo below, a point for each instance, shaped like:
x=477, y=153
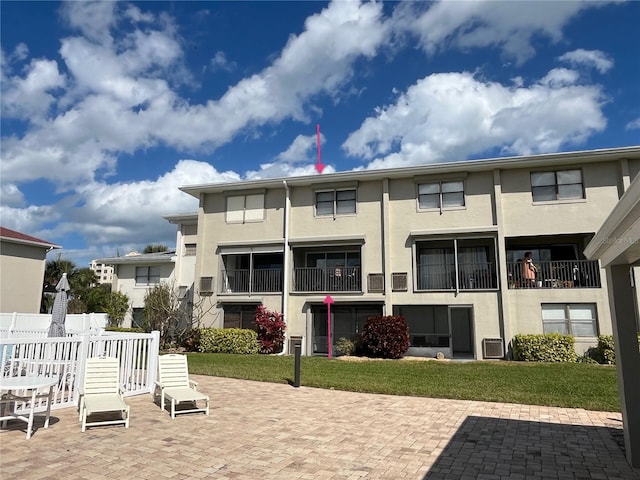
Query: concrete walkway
x=269, y=431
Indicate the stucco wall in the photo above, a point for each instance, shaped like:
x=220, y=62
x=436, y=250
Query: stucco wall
x=21, y=277
x=521, y=216
x=126, y=283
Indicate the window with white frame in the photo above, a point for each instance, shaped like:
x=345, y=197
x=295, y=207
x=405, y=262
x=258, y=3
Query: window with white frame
x=441, y=195
x=147, y=276
x=558, y=185
x=189, y=249
x=245, y=208
x=336, y=202
x=577, y=319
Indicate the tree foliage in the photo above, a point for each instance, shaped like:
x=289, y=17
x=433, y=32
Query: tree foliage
x=151, y=248
x=117, y=306
x=175, y=317
x=271, y=327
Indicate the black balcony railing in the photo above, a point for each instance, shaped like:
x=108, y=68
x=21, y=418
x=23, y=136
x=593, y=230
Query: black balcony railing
x=255, y=281
x=471, y=276
x=556, y=274
x=336, y=279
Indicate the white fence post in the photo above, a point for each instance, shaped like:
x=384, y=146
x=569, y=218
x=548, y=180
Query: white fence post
x=83, y=354
x=154, y=351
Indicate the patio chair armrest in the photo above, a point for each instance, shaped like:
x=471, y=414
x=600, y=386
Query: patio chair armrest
x=159, y=384
x=122, y=389
x=193, y=384
x=81, y=391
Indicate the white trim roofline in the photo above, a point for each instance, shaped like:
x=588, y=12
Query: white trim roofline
x=534, y=161
x=617, y=238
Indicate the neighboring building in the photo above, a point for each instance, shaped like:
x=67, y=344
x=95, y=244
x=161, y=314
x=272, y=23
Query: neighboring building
x=22, y=264
x=186, y=248
x=437, y=243
x=134, y=275
x=104, y=273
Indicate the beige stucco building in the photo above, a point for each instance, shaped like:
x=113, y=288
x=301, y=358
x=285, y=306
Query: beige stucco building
x=135, y=274
x=440, y=244
x=22, y=264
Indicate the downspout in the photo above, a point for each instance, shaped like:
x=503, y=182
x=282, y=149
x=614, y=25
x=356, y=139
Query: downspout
x=285, y=282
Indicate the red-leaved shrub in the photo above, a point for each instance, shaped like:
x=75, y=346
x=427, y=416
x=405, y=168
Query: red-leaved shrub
x=385, y=337
x=271, y=327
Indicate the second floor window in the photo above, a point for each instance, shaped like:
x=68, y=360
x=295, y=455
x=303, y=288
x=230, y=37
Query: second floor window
x=559, y=185
x=147, y=276
x=336, y=202
x=245, y=208
x=441, y=195
x=189, y=249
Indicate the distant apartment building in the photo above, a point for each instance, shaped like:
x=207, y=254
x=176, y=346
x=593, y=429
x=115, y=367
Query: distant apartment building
x=104, y=273
x=440, y=244
x=135, y=274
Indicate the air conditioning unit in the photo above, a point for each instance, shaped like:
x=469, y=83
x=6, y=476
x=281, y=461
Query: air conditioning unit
x=375, y=282
x=206, y=284
x=492, y=348
x=399, y=281
x=182, y=291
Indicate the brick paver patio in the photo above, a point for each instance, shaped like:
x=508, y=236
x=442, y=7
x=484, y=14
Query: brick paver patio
x=274, y=431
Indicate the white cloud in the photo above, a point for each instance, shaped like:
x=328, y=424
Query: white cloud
x=124, y=213
x=93, y=19
x=285, y=169
x=452, y=116
x=634, y=124
x=11, y=195
x=590, y=58
x=220, y=62
x=120, y=100
x=31, y=97
x=509, y=26
x=302, y=149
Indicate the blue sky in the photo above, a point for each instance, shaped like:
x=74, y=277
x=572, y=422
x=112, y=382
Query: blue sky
x=107, y=108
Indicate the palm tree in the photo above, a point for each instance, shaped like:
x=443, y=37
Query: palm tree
x=54, y=269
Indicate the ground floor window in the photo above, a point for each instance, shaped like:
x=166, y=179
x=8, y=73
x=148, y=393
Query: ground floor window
x=577, y=319
x=347, y=321
x=240, y=316
x=428, y=324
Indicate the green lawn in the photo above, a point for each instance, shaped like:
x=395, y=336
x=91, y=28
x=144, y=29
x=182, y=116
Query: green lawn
x=592, y=387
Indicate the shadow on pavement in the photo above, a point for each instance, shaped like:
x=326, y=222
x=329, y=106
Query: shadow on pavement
x=502, y=448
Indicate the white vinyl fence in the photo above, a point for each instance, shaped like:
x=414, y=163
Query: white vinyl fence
x=65, y=358
x=37, y=324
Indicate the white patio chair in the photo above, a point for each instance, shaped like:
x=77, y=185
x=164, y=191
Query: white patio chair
x=101, y=392
x=173, y=384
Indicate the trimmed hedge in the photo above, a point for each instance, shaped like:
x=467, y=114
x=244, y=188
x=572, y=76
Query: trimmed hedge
x=229, y=340
x=549, y=347
x=605, y=352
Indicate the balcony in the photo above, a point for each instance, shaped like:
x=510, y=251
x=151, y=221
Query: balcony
x=471, y=276
x=557, y=274
x=335, y=279
x=251, y=281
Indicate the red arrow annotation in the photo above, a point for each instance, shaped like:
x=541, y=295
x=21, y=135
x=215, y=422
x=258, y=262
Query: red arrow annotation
x=328, y=301
x=319, y=166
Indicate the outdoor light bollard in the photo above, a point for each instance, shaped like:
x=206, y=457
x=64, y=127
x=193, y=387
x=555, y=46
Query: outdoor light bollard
x=296, y=375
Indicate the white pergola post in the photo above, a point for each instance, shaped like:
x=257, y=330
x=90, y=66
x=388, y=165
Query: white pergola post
x=617, y=246
x=623, y=315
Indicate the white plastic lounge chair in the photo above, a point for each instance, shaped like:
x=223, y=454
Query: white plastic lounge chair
x=101, y=392
x=175, y=386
